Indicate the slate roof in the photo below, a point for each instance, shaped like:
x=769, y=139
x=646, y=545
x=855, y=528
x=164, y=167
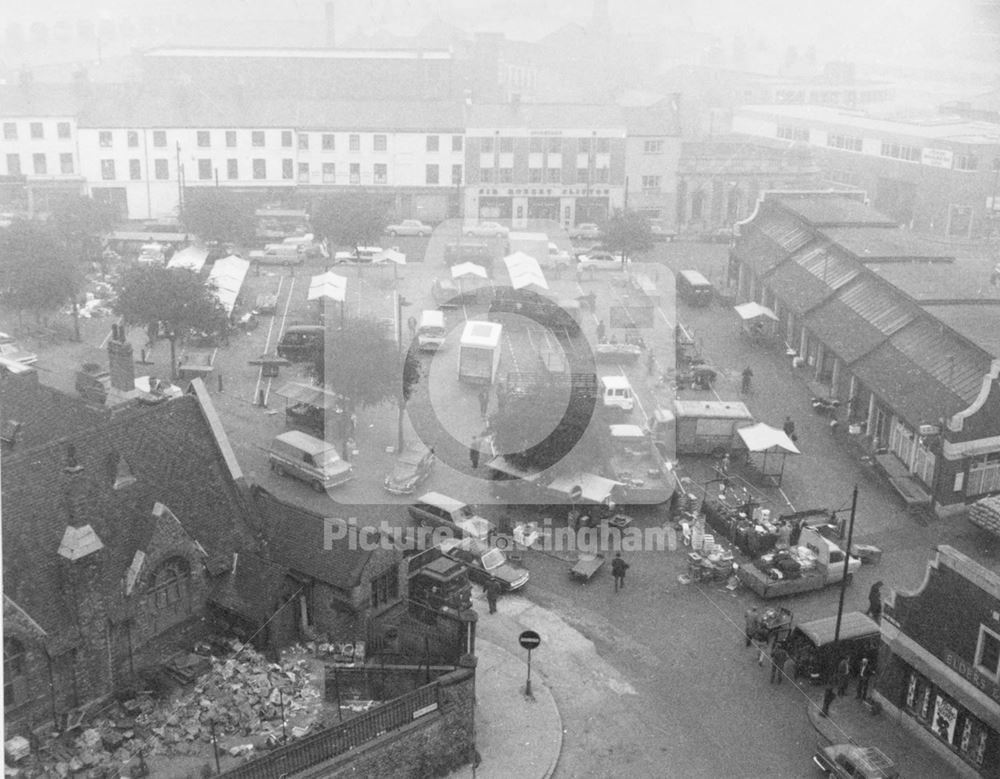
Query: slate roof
x=296, y=539
x=978, y=322
x=797, y=288
x=175, y=459
x=45, y=414
x=962, y=279
x=952, y=362
x=849, y=335
x=833, y=211
x=254, y=589
x=882, y=243
x=758, y=250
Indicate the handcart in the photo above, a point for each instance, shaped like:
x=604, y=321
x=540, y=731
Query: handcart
x=775, y=625
x=586, y=566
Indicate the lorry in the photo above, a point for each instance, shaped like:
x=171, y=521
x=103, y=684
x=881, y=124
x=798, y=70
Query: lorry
x=701, y=426
x=830, y=559
x=638, y=464
x=479, y=352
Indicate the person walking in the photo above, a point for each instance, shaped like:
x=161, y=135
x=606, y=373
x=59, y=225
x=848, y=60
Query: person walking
x=600, y=332
x=779, y=656
x=650, y=363
x=492, y=593
x=484, y=400
x=411, y=323
x=789, y=428
x=618, y=568
x=474, y=452
x=843, y=675
x=875, y=601
x=751, y=622
x=747, y=379
x=828, y=698
x=865, y=673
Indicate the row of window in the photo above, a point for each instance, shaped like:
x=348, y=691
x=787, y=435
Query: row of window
x=39, y=164
x=846, y=142
x=900, y=152
x=36, y=130
x=258, y=139
x=793, y=133
x=544, y=176
x=505, y=144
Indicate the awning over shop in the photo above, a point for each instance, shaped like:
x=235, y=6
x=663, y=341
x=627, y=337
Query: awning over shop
x=761, y=437
x=853, y=624
x=328, y=285
x=464, y=269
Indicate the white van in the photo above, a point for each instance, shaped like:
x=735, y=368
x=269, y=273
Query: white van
x=616, y=393
x=153, y=253
x=430, y=331
x=309, y=459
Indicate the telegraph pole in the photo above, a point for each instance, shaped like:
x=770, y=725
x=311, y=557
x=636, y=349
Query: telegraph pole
x=847, y=560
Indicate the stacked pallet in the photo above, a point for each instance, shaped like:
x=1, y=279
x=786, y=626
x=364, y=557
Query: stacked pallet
x=985, y=512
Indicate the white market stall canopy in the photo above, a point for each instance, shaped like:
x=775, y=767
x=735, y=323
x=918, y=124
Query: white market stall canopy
x=752, y=310
x=762, y=437
x=328, y=285
x=468, y=269
x=593, y=488
x=524, y=271
x=390, y=255
x=192, y=258
x=227, y=277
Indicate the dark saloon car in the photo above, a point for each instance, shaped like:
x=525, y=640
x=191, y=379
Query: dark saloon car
x=411, y=468
x=485, y=563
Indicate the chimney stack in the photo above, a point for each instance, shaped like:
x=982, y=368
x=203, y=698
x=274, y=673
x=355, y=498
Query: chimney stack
x=121, y=362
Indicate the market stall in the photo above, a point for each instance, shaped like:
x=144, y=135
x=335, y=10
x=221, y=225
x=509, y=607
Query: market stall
x=758, y=323
x=767, y=449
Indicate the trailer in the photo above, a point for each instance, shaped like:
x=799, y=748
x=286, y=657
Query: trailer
x=704, y=426
x=829, y=569
x=479, y=352
x=638, y=464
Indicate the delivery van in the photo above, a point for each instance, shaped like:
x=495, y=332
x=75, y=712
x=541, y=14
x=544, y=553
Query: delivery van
x=316, y=462
x=302, y=343
x=694, y=288
x=616, y=394
x=430, y=331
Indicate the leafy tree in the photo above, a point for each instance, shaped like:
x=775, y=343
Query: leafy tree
x=628, y=232
x=353, y=220
x=215, y=214
x=35, y=272
x=174, y=297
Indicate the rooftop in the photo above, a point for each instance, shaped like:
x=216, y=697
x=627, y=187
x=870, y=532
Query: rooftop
x=878, y=243
x=300, y=53
x=487, y=117
x=833, y=210
x=959, y=280
x=979, y=323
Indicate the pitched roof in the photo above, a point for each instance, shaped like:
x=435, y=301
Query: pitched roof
x=297, y=539
x=546, y=116
x=845, y=332
x=45, y=414
x=978, y=322
x=797, y=288
x=823, y=210
x=886, y=243
x=959, y=280
x=254, y=588
x=175, y=460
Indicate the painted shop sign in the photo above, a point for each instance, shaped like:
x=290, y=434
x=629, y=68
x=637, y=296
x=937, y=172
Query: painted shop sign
x=969, y=671
x=936, y=158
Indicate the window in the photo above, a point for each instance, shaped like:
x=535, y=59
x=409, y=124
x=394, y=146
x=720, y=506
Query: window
x=846, y=142
x=134, y=170
x=603, y=145
x=65, y=163
x=650, y=183
x=286, y=138
x=553, y=145
x=303, y=141
x=104, y=139
x=535, y=175
x=486, y=175
x=108, y=170
x=257, y=138
x=13, y=165
x=131, y=138
x=535, y=145
x=15, y=680
x=287, y=169
x=231, y=139
x=36, y=130
x=486, y=145
x=984, y=474
x=794, y=133
x=304, y=172
x=39, y=164
x=260, y=169
x=329, y=173
x=161, y=171
x=385, y=588
x=355, y=173
x=845, y=177
x=432, y=174
x=601, y=175
x=456, y=174
x=433, y=142
x=169, y=585
x=652, y=147
x=159, y=138
x=379, y=143
x=10, y=131
x=232, y=169
x=582, y=175
x=966, y=162
x=62, y=131
x=505, y=175
x=354, y=142
x=555, y=175
x=328, y=142
x=506, y=145
x=894, y=150
x=381, y=172
x=204, y=138
x=204, y=169
x=456, y=143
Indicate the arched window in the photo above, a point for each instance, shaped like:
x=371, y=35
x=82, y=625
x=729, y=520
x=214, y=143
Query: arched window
x=169, y=584
x=15, y=681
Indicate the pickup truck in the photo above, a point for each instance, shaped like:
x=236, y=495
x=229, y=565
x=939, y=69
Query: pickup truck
x=829, y=569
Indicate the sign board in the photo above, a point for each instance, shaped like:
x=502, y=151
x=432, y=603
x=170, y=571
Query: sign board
x=576, y=492
x=529, y=639
x=936, y=158
x=424, y=710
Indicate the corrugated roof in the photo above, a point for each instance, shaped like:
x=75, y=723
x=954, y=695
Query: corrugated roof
x=788, y=233
x=797, y=288
x=963, y=279
x=978, y=322
x=843, y=330
x=545, y=116
x=885, y=243
x=958, y=366
x=877, y=305
x=827, y=211
x=757, y=250
x=828, y=265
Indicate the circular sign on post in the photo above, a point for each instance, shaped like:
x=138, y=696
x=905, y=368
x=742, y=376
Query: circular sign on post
x=576, y=493
x=529, y=639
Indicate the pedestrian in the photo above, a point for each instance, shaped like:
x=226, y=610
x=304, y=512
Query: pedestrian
x=618, y=568
x=747, y=378
x=865, y=673
x=600, y=332
x=779, y=655
x=875, y=601
x=843, y=675
x=484, y=400
x=411, y=323
x=751, y=621
x=828, y=697
x=650, y=363
x=724, y=470
x=492, y=593
x=474, y=452
x=789, y=428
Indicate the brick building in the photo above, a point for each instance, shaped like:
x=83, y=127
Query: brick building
x=940, y=661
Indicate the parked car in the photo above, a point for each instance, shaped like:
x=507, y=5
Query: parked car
x=600, y=260
x=437, y=510
x=718, y=235
x=487, y=230
x=362, y=254
x=412, y=467
x=475, y=252
x=278, y=254
x=661, y=233
x=12, y=351
x=848, y=761
x=485, y=563
x=587, y=231
x=556, y=259
x=409, y=227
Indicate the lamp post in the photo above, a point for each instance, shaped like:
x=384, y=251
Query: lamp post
x=847, y=560
x=400, y=302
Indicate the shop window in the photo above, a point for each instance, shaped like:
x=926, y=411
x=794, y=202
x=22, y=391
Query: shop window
x=385, y=588
x=984, y=474
x=15, y=680
x=988, y=653
x=901, y=441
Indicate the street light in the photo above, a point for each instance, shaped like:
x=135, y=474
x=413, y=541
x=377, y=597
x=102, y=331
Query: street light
x=400, y=302
x=847, y=561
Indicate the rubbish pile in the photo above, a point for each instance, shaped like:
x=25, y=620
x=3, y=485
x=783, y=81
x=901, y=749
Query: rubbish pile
x=985, y=512
x=243, y=695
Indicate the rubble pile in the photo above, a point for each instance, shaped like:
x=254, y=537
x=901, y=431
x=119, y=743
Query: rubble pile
x=244, y=695
x=986, y=513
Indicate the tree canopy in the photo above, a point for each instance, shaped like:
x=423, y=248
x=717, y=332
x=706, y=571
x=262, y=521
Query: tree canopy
x=215, y=214
x=78, y=222
x=353, y=220
x=36, y=273
x=628, y=232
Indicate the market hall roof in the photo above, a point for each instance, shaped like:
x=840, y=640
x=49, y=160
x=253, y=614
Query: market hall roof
x=965, y=279
x=886, y=244
x=759, y=250
x=978, y=322
x=821, y=210
x=843, y=330
x=945, y=356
